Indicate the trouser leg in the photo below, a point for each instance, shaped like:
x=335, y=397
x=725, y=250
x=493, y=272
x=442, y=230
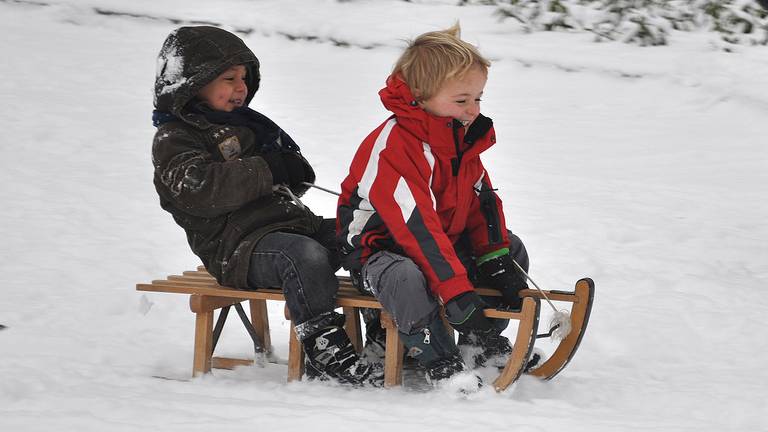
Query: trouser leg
x=326, y=236
x=302, y=268
x=402, y=290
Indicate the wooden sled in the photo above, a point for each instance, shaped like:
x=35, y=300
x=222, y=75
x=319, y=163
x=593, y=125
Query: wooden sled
x=206, y=296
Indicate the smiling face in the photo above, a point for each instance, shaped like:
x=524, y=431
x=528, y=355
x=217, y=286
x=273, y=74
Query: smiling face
x=459, y=98
x=228, y=91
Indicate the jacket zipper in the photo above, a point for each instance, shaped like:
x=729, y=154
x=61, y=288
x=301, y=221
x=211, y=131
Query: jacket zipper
x=456, y=162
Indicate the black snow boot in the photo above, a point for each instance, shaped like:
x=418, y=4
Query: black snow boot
x=485, y=348
x=433, y=347
x=375, y=338
x=331, y=355
x=451, y=372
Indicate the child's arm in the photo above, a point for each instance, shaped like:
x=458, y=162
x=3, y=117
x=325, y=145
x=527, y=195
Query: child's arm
x=485, y=222
x=186, y=173
x=401, y=195
x=490, y=242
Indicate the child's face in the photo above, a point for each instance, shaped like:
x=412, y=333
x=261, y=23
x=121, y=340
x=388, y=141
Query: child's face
x=227, y=91
x=459, y=98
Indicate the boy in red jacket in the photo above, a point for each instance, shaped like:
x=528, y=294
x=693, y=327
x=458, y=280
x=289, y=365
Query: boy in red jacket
x=418, y=219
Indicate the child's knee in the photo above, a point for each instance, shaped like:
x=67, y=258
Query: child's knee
x=391, y=274
x=402, y=289
x=307, y=253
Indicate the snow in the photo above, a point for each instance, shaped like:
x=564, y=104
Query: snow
x=643, y=168
x=171, y=65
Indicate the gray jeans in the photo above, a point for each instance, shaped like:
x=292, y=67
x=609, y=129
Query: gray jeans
x=401, y=288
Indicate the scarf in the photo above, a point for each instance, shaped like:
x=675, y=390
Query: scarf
x=269, y=136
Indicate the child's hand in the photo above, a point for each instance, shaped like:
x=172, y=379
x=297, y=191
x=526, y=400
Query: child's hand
x=294, y=166
x=465, y=313
x=501, y=273
x=277, y=167
x=286, y=168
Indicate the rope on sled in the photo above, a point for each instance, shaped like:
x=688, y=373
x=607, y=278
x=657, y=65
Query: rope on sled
x=321, y=188
x=560, y=325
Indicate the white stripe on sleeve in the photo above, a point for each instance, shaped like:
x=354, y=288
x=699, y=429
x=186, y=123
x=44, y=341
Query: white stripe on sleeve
x=365, y=210
x=431, y=161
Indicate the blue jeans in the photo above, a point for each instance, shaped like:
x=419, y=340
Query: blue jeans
x=304, y=267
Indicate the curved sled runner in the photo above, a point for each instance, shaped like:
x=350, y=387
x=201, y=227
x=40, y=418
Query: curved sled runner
x=581, y=299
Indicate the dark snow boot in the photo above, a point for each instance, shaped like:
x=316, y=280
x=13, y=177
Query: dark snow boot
x=375, y=340
x=331, y=355
x=436, y=352
x=451, y=372
x=444, y=368
x=535, y=360
x=485, y=348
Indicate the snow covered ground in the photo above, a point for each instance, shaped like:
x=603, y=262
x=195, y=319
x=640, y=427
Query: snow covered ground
x=643, y=168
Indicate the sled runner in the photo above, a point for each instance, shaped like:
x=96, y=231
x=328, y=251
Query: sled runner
x=581, y=299
x=206, y=296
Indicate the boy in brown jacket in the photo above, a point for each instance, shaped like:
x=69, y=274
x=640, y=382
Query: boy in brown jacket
x=230, y=177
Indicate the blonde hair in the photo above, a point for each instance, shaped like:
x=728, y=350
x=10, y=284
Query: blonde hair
x=435, y=57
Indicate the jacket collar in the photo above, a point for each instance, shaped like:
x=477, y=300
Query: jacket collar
x=438, y=132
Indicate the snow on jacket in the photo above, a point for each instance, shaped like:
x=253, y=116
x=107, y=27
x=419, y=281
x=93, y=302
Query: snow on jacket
x=415, y=185
x=211, y=177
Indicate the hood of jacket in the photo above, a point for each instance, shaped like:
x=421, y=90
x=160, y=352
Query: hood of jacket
x=438, y=132
x=192, y=57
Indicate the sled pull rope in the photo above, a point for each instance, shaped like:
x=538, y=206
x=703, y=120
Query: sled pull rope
x=321, y=188
x=286, y=192
x=560, y=325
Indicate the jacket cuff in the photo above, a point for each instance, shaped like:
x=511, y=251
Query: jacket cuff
x=453, y=287
x=491, y=255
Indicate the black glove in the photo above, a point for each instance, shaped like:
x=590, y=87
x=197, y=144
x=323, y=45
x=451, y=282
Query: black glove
x=294, y=166
x=465, y=314
x=277, y=167
x=502, y=274
x=287, y=168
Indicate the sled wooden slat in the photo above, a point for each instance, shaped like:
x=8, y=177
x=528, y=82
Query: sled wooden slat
x=229, y=363
x=552, y=295
x=202, y=303
x=206, y=296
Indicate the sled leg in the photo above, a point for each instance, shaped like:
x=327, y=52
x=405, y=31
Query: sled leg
x=393, y=354
x=582, y=299
x=295, y=357
x=523, y=344
x=203, y=343
x=260, y=322
x=295, y=351
x=352, y=327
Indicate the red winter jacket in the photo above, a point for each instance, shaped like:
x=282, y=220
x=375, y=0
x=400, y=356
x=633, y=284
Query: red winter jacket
x=415, y=185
